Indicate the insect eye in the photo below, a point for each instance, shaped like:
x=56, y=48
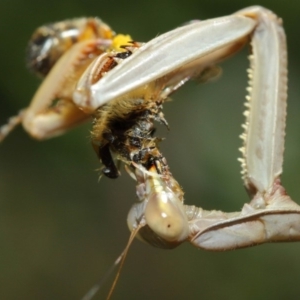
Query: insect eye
x=165, y=217
x=123, y=55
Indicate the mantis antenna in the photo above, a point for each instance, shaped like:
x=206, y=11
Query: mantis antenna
x=119, y=261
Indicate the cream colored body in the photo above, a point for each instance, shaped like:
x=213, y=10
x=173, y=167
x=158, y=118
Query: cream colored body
x=157, y=69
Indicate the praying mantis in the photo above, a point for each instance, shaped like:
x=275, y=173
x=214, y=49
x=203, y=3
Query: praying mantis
x=284, y=212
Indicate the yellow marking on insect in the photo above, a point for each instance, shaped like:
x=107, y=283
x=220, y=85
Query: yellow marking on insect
x=121, y=40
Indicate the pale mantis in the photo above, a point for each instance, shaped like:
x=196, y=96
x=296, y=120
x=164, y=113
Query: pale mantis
x=222, y=247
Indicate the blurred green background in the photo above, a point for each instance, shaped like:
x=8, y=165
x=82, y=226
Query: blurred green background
x=61, y=229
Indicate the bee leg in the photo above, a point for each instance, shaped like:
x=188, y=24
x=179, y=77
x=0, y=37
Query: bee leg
x=161, y=119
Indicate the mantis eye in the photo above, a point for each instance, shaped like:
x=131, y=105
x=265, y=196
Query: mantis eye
x=165, y=216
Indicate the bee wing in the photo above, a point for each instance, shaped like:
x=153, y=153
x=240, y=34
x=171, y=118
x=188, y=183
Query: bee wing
x=179, y=53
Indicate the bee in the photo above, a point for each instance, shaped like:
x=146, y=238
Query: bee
x=124, y=128
x=84, y=50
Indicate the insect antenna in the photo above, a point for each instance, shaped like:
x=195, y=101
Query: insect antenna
x=120, y=260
